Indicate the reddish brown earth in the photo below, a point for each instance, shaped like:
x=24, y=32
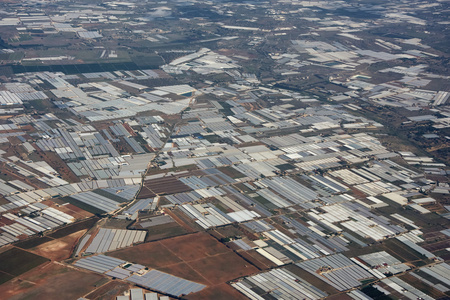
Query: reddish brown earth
x=257, y=259
x=49, y=281
x=197, y=257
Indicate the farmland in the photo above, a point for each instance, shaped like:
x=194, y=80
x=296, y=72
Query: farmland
x=59, y=249
x=224, y=149
x=16, y=261
x=195, y=257
x=47, y=282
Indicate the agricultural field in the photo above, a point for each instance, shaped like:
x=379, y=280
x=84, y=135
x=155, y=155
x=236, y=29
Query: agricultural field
x=251, y=149
x=165, y=231
x=84, y=224
x=15, y=261
x=257, y=259
x=108, y=290
x=48, y=282
x=59, y=249
x=153, y=255
x=195, y=257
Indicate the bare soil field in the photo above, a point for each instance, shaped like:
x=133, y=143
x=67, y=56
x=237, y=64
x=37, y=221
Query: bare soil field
x=218, y=292
x=182, y=220
x=257, y=259
x=339, y=297
x=197, y=257
x=59, y=249
x=74, y=227
x=15, y=261
x=48, y=282
x=194, y=246
x=74, y=211
x=166, y=185
x=441, y=245
x=165, y=231
x=109, y=290
x=183, y=270
x=145, y=193
x=223, y=267
x=152, y=255
x=59, y=165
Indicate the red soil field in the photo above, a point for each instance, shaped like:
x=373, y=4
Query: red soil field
x=49, y=281
x=194, y=246
x=197, y=257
